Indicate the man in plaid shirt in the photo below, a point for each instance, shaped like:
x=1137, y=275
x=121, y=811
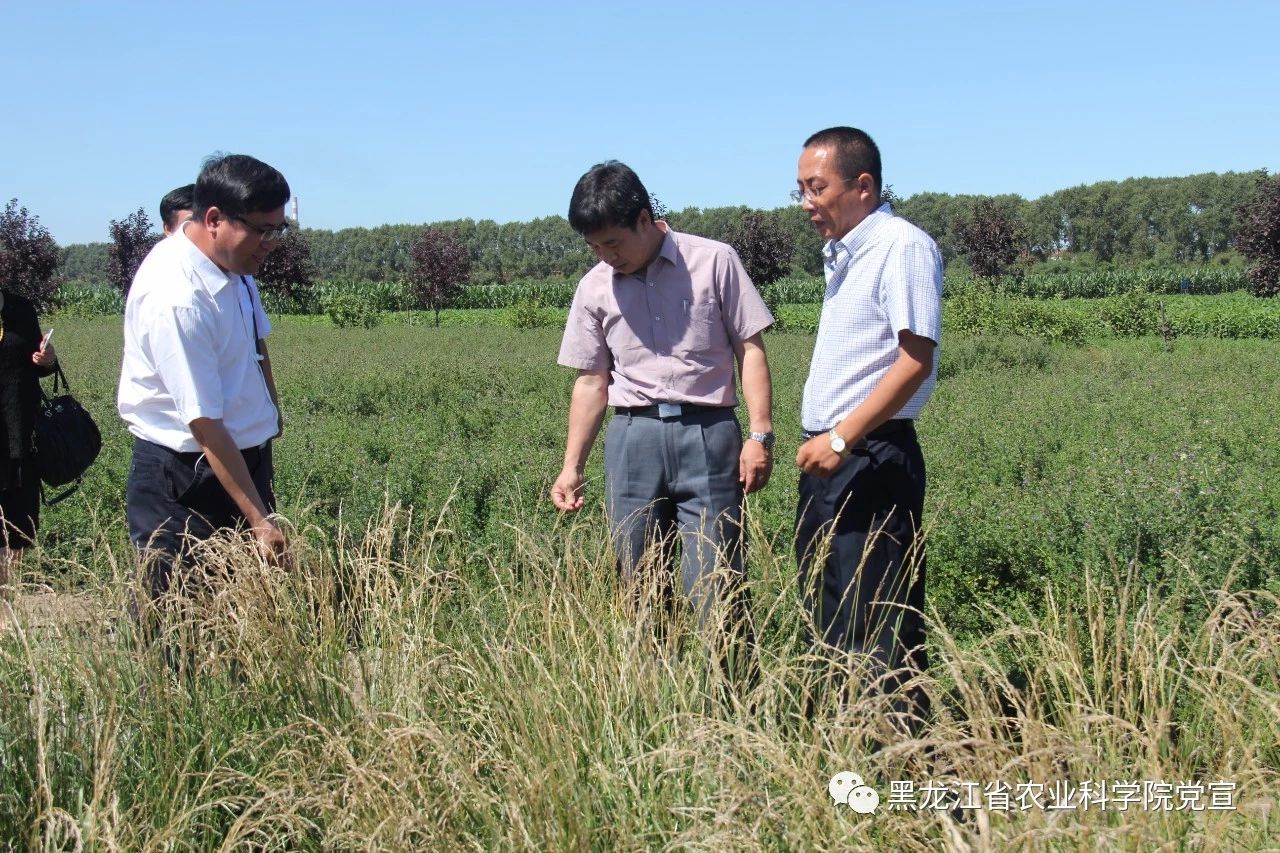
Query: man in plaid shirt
x=874, y=366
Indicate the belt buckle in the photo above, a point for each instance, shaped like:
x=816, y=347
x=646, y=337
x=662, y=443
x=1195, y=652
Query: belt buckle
x=669, y=410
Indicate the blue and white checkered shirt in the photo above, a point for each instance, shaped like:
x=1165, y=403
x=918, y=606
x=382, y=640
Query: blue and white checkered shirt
x=884, y=277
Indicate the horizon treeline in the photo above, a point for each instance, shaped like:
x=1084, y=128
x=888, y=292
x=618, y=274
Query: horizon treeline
x=1138, y=220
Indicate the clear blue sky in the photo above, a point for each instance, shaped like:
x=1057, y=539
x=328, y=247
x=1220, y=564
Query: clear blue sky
x=412, y=112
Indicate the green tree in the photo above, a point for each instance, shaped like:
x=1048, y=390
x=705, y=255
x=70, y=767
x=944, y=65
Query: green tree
x=85, y=262
x=806, y=254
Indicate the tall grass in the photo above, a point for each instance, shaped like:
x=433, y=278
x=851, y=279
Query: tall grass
x=402, y=687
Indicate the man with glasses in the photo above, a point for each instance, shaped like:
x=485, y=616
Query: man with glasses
x=655, y=330
x=176, y=208
x=873, y=369
x=196, y=388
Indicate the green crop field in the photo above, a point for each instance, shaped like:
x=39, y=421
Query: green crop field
x=447, y=664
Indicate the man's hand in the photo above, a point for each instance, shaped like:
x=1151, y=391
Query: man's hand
x=271, y=542
x=754, y=466
x=566, y=492
x=817, y=458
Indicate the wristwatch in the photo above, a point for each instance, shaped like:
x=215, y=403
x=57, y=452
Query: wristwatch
x=839, y=446
x=765, y=438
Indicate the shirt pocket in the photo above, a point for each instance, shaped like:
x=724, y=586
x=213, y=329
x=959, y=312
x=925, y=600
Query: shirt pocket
x=703, y=328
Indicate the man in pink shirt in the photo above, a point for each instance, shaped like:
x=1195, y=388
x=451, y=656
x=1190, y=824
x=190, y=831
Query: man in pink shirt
x=655, y=331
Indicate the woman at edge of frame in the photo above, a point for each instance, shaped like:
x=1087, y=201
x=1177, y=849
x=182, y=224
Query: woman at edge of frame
x=25, y=357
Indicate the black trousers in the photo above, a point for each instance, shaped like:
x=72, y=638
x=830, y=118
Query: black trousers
x=173, y=498
x=867, y=594
x=20, y=506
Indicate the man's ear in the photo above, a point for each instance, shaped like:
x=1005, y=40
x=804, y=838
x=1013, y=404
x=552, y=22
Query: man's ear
x=213, y=218
x=867, y=186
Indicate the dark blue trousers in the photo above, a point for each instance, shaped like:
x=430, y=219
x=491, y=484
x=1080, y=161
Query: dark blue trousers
x=867, y=594
x=174, y=498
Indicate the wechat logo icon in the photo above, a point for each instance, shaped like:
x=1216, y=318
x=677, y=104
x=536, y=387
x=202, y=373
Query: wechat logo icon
x=848, y=789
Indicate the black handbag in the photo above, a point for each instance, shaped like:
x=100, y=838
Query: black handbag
x=67, y=439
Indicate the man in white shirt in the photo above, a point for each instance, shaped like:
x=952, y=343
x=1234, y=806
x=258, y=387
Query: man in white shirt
x=195, y=385
x=873, y=369
x=176, y=208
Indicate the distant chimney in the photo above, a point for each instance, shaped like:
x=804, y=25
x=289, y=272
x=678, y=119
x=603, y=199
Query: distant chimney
x=296, y=221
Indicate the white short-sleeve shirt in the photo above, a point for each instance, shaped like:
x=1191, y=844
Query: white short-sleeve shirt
x=190, y=352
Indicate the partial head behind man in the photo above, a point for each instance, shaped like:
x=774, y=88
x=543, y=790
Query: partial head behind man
x=838, y=179
x=176, y=207
x=610, y=208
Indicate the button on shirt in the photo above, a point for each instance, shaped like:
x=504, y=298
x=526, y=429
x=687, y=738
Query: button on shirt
x=666, y=333
x=883, y=277
x=190, y=351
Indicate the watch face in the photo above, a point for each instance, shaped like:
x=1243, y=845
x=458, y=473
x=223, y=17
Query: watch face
x=837, y=443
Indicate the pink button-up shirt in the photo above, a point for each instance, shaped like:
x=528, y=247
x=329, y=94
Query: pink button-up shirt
x=666, y=334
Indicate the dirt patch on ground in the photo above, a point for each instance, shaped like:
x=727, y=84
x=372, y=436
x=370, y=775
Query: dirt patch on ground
x=47, y=610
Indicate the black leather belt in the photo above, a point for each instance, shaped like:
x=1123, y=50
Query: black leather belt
x=191, y=457
x=667, y=410
x=885, y=429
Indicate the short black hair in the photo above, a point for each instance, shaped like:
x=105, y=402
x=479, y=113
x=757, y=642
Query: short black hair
x=856, y=152
x=183, y=198
x=237, y=184
x=609, y=194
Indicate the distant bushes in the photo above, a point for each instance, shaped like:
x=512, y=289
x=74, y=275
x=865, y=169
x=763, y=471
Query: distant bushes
x=1046, y=283
x=971, y=307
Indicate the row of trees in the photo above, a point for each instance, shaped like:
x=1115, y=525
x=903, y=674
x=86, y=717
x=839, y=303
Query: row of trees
x=1179, y=220
x=1142, y=219
x=1161, y=219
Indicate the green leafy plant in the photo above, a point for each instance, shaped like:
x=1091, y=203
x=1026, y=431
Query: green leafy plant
x=1134, y=314
x=529, y=313
x=350, y=310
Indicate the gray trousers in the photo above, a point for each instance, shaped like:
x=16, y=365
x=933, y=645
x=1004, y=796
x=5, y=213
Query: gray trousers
x=678, y=478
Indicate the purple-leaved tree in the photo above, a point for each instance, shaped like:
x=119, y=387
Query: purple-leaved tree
x=1258, y=236
x=989, y=239
x=764, y=246
x=289, y=271
x=29, y=257
x=131, y=240
x=440, y=265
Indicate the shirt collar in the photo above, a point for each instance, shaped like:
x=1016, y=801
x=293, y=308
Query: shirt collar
x=210, y=274
x=860, y=234
x=668, y=248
